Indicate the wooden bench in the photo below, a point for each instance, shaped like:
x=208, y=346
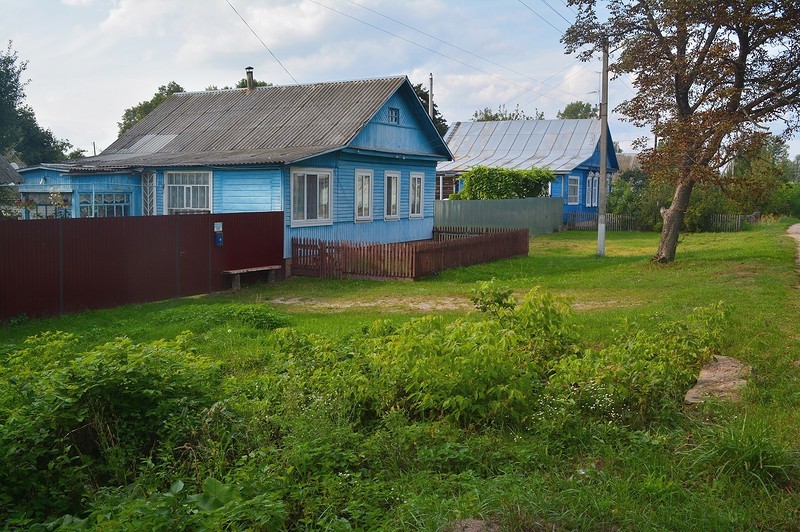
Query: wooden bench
x=236, y=282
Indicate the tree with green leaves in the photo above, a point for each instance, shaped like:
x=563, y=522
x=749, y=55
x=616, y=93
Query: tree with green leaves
x=438, y=120
x=483, y=182
x=578, y=110
x=133, y=114
x=242, y=84
x=708, y=75
x=20, y=133
x=487, y=115
x=12, y=94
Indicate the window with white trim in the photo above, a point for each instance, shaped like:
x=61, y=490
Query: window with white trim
x=311, y=196
x=416, y=195
x=105, y=205
x=394, y=115
x=364, y=195
x=188, y=192
x=573, y=189
x=391, y=195
x=592, y=189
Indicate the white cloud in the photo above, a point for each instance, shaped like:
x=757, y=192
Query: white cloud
x=141, y=18
x=89, y=60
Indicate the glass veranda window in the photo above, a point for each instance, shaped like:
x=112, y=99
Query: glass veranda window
x=188, y=192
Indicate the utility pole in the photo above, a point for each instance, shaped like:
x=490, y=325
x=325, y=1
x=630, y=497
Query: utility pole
x=431, y=113
x=603, y=185
x=430, y=97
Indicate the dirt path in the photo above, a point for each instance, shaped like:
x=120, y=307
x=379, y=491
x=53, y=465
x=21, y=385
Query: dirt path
x=794, y=232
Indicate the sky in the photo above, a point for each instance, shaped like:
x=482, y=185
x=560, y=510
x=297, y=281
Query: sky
x=89, y=60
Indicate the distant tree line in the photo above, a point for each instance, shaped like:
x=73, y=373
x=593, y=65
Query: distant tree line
x=765, y=181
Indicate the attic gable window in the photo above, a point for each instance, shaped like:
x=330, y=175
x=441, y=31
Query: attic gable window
x=394, y=115
x=311, y=197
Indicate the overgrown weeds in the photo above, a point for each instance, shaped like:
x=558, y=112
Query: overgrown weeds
x=529, y=412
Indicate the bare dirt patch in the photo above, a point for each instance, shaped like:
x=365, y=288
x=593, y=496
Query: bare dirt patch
x=794, y=232
x=394, y=304
x=723, y=377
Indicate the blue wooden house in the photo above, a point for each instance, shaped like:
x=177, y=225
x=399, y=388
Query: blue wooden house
x=570, y=148
x=353, y=160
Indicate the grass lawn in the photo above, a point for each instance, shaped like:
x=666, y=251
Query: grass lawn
x=295, y=462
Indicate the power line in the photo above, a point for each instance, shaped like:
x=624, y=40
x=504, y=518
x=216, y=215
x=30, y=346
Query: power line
x=545, y=2
x=541, y=17
x=443, y=41
x=468, y=65
x=538, y=82
x=262, y=42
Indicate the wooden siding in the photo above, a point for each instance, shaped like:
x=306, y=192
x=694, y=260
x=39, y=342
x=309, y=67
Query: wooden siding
x=344, y=227
x=252, y=190
x=406, y=136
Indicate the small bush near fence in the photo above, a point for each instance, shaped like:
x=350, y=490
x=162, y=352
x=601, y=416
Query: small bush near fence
x=450, y=248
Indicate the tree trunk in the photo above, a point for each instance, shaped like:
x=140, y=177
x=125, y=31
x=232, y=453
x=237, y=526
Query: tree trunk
x=673, y=221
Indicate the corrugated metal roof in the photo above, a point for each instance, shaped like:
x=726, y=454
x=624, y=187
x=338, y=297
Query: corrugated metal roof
x=8, y=174
x=559, y=145
x=269, y=125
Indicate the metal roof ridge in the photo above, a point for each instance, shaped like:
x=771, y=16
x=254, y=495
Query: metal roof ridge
x=290, y=85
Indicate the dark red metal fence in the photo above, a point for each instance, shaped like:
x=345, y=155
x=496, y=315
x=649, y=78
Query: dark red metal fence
x=52, y=267
x=450, y=248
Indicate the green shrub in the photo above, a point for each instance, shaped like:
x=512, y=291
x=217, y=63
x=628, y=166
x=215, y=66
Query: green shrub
x=786, y=200
x=641, y=377
x=218, y=506
x=72, y=422
x=482, y=182
x=484, y=369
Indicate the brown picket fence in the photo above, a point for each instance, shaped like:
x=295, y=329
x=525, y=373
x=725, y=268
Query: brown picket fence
x=450, y=248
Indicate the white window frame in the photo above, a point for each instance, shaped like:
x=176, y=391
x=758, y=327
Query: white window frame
x=592, y=189
x=364, y=214
x=104, y=204
x=169, y=189
x=419, y=178
x=326, y=200
x=576, y=181
x=393, y=115
x=596, y=190
x=387, y=177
